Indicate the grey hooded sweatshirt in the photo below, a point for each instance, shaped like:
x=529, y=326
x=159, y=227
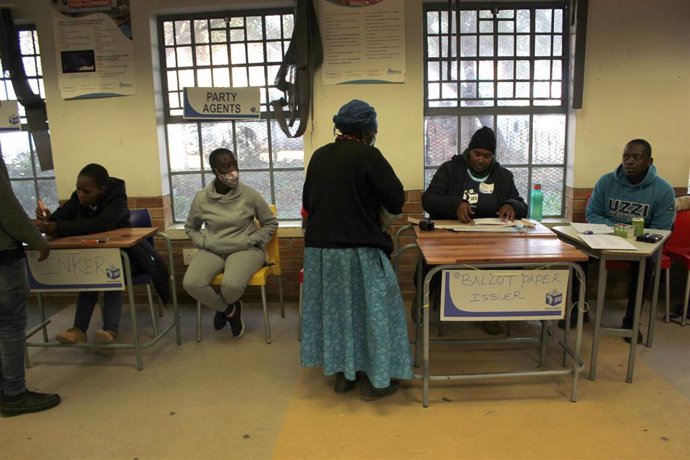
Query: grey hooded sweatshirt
x=229, y=220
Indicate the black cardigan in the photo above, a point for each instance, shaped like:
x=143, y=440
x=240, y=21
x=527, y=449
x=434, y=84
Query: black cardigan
x=444, y=194
x=346, y=185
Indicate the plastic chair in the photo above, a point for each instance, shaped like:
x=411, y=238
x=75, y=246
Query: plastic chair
x=142, y=219
x=260, y=278
x=677, y=248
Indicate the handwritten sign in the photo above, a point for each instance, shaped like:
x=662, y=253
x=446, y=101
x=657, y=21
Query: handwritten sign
x=76, y=270
x=221, y=103
x=481, y=295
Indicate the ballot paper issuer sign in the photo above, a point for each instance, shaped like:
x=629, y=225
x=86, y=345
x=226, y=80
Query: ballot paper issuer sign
x=68, y=270
x=482, y=295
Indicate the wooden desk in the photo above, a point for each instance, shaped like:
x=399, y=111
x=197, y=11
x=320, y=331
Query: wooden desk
x=498, y=252
x=644, y=250
x=121, y=239
x=539, y=231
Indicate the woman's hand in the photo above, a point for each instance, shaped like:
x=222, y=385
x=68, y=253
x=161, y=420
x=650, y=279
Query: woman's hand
x=42, y=212
x=506, y=212
x=48, y=228
x=465, y=212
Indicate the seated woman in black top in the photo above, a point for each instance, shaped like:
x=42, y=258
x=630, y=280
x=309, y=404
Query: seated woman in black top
x=474, y=185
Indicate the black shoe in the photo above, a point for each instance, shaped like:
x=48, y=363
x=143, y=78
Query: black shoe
x=219, y=320
x=628, y=325
x=640, y=339
x=235, y=320
x=342, y=384
x=491, y=327
x=28, y=402
x=678, y=313
x=371, y=393
x=573, y=320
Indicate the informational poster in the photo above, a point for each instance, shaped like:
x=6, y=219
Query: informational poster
x=9, y=115
x=363, y=41
x=222, y=103
x=93, y=43
x=76, y=270
x=482, y=295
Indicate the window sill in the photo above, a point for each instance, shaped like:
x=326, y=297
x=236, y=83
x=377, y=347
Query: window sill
x=176, y=232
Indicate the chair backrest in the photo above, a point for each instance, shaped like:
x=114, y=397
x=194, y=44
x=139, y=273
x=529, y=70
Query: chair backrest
x=273, y=250
x=141, y=218
x=680, y=236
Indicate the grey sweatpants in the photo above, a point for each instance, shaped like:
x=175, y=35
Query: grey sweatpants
x=237, y=268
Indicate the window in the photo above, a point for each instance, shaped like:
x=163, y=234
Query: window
x=231, y=49
x=28, y=181
x=503, y=68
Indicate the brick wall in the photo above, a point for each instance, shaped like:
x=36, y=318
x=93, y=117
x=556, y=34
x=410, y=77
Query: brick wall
x=292, y=250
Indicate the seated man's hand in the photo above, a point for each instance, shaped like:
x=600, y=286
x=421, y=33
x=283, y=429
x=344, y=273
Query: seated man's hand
x=465, y=212
x=506, y=212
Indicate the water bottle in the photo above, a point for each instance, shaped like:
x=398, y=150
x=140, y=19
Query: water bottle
x=536, y=200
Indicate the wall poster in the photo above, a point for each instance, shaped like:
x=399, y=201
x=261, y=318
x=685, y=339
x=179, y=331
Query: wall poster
x=363, y=41
x=93, y=43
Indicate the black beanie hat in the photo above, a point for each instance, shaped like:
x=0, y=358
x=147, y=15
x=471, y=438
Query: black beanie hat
x=483, y=138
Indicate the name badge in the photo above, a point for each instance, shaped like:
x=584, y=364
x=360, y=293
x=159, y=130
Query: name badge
x=486, y=188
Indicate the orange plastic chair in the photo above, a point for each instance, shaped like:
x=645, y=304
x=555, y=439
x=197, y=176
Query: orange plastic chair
x=260, y=278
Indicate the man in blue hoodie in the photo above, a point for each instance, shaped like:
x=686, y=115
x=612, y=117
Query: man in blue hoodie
x=633, y=190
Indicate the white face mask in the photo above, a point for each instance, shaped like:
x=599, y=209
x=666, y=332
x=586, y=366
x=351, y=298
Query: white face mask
x=372, y=141
x=230, y=179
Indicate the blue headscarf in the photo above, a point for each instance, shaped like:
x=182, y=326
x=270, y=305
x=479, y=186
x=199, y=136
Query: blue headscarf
x=356, y=117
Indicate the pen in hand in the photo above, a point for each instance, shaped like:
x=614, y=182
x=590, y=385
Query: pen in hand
x=42, y=209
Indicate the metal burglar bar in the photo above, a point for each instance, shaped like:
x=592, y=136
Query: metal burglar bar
x=503, y=66
x=28, y=181
x=236, y=49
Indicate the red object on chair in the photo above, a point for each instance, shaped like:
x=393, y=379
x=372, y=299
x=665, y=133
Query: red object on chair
x=677, y=248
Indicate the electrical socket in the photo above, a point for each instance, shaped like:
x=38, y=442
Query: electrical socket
x=188, y=254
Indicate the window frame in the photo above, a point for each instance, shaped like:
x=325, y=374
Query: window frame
x=267, y=117
x=37, y=176
x=494, y=111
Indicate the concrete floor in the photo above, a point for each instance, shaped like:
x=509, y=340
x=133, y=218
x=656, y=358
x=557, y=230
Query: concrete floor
x=241, y=398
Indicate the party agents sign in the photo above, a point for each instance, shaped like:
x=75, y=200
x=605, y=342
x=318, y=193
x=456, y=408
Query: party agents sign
x=221, y=103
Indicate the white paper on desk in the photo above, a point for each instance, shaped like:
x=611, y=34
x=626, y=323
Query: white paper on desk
x=485, y=228
x=596, y=229
x=494, y=221
x=608, y=242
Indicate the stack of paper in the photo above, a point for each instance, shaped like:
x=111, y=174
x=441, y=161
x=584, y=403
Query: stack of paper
x=608, y=242
x=592, y=229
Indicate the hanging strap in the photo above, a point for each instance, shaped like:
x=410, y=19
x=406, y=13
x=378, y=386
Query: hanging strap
x=36, y=114
x=295, y=75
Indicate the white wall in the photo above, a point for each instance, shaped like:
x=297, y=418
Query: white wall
x=636, y=85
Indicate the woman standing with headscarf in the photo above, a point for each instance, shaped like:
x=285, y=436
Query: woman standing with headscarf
x=353, y=316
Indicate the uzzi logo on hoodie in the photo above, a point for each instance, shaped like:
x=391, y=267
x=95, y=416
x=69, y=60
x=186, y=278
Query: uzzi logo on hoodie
x=626, y=210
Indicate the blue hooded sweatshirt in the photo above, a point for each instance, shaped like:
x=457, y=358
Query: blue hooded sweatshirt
x=615, y=200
